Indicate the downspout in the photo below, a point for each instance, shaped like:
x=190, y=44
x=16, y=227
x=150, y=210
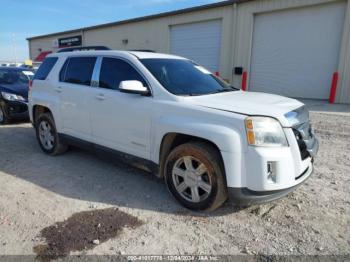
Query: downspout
x=30, y=49
x=82, y=38
x=234, y=33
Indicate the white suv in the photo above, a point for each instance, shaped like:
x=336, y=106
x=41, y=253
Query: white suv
x=167, y=114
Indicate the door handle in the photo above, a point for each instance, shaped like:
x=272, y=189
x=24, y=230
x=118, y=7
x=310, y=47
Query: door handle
x=58, y=89
x=101, y=97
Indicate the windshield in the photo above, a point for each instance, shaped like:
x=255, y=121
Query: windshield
x=10, y=76
x=183, y=77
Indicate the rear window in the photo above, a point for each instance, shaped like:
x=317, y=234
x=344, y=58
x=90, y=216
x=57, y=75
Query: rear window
x=15, y=77
x=78, y=70
x=45, y=68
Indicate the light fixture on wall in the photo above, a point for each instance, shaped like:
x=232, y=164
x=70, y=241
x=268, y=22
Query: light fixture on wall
x=125, y=41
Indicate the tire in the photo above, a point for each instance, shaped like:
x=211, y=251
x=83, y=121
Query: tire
x=195, y=176
x=47, y=135
x=3, y=117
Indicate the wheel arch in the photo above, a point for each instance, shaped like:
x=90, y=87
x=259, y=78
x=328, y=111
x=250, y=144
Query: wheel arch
x=38, y=110
x=173, y=140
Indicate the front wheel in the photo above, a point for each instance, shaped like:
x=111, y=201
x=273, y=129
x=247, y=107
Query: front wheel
x=194, y=175
x=3, y=117
x=47, y=135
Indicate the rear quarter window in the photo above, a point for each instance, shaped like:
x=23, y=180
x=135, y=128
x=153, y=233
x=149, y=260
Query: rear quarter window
x=45, y=68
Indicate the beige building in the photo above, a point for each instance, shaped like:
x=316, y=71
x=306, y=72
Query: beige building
x=289, y=47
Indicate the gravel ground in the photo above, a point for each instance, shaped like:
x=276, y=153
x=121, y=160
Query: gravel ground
x=37, y=191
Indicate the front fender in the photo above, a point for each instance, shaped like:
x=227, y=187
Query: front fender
x=226, y=138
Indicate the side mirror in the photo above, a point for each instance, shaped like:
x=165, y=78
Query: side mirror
x=133, y=87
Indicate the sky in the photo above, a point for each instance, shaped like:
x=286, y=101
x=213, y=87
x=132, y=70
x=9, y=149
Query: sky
x=20, y=19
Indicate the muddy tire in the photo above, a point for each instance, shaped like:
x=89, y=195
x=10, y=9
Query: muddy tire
x=48, y=137
x=195, y=176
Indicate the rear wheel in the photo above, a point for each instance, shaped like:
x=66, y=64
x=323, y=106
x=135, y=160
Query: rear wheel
x=48, y=137
x=195, y=176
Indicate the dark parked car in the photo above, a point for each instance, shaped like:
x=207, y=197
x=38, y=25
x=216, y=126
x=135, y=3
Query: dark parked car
x=14, y=87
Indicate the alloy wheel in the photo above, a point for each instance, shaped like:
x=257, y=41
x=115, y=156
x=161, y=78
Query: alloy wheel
x=191, y=179
x=46, y=135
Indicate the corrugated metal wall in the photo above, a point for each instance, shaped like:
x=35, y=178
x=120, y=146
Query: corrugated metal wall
x=244, y=33
x=236, y=42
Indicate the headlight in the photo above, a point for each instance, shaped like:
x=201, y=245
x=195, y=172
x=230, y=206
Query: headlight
x=298, y=116
x=12, y=97
x=265, y=131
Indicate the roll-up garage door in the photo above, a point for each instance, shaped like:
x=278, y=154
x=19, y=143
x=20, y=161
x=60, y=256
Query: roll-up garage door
x=296, y=52
x=200, y=42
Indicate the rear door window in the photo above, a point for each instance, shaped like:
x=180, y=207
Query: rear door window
x=45, y=68
x=78, y=70
x=114, y=71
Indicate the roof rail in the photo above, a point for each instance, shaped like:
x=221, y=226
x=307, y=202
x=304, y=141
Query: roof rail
x=83, y=48
x=143, y=50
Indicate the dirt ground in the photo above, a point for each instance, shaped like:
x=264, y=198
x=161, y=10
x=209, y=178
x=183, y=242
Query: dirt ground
x=38, y=191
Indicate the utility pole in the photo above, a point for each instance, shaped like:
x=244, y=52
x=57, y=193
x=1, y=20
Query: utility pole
x=14, y=47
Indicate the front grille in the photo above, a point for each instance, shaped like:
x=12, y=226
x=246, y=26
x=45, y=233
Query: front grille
x=302, y=146
x=305, y=138
x=17, y=109
x=307, y=142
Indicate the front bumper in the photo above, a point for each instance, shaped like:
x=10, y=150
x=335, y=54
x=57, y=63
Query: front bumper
x=14, y=109
x=264, y=174
x=247, y=197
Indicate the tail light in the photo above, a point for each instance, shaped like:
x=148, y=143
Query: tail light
x=30, y=84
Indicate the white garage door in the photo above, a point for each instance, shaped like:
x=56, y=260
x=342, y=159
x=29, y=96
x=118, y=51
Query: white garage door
x=200, y=42
x=296, y=52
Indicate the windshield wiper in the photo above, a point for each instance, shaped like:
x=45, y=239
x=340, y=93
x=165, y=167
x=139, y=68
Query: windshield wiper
x=225, y=90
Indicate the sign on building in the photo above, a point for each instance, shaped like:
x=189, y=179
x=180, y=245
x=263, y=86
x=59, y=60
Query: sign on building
x=70, y=41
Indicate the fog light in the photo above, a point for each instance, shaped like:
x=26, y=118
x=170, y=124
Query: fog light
x=271, y=172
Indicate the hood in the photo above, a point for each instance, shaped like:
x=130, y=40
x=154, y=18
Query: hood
x=17, y=89
x=250, y=103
